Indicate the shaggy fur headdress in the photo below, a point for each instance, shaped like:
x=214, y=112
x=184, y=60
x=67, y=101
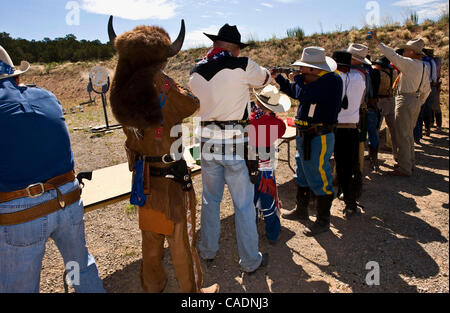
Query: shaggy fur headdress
x=142, y=53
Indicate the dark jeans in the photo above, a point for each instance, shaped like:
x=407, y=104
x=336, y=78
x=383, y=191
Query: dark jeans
x=346, y=154
x=425, y=117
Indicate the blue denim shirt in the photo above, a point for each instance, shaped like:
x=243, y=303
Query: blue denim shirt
x=34, y=139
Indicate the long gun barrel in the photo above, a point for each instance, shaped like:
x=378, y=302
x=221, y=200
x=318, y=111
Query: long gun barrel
x=283, y=70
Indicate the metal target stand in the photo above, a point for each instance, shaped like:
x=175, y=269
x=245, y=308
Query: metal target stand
x=99, y=77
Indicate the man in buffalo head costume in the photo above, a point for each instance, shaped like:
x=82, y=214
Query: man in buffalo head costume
x=149, y=104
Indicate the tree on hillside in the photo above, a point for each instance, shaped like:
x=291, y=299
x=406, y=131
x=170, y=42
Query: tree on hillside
x=57, y=50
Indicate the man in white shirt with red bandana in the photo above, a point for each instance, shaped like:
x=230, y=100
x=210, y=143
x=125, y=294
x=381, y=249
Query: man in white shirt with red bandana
x=221, y=81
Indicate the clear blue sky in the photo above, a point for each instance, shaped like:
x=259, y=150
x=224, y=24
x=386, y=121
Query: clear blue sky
x=256, y=19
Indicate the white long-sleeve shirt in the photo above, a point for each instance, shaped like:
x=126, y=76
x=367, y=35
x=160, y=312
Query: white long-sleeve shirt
x=355, y=87
x=222, y=87
x=411, y=73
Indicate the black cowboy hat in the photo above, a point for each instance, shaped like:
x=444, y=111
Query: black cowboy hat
x=428, y=52
x=400, y=51
x=228, y=34
x=343, y=58
x=383, y=62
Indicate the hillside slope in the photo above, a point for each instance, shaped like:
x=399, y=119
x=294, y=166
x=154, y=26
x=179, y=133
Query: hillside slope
x=68, y=81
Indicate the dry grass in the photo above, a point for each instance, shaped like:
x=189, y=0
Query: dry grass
x=68, y=81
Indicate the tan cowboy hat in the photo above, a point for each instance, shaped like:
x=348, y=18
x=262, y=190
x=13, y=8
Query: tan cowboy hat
x=272, y=99
x=7, y=68
x=315, y=57
x=359, y=52
x=416, y=45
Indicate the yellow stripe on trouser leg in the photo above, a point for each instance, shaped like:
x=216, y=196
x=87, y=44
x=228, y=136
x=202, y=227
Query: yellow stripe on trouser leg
x=322, y=162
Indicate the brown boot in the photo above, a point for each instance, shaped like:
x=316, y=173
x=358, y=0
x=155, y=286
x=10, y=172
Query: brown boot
x=301, y=211
x=211, y=289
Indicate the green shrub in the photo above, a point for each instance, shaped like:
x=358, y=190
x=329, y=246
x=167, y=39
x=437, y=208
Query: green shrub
x=296, y=33
x=412, y=20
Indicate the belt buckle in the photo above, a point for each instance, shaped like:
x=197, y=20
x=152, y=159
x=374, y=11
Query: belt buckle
x=168, y=162
x=34, y=185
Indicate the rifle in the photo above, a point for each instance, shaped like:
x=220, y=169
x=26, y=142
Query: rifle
x=283, y=70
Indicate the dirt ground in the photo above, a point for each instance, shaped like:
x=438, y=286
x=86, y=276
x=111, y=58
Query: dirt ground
x=403, y=226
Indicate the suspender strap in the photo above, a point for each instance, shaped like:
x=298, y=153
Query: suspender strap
x=421, y=80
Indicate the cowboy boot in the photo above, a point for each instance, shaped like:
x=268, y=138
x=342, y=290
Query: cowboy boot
x=439, y=121
x=351, y=209
x=373, y=157
x=301, y=210
x=322, y=223
x=354, y=192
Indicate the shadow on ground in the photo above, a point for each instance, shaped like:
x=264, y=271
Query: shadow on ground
x=385, y=233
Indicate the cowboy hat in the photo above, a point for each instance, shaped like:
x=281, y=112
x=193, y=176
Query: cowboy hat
x=383, y=62
x=7, y=68
x=272, y=99
x=315, y=57
x=359, y=52
x=343, y=58
x=228, y=34
x=415, y=45
x=428, y=51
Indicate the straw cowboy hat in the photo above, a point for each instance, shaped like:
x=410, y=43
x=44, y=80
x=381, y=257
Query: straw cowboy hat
x=315, y=57
x=7, y=68
x=416, y=45
x=272, y=99
x=359, y=52
x=228, y=34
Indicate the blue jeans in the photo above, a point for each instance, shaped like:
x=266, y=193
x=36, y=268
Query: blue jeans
x=316, y=173
x=22, y=246
x=372, y=123
x=215, y=173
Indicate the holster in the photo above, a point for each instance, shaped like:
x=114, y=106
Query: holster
x=307, y=139
x=252, y=162
x=308, y=135
x=177, y=171
x=182, y=175
x=363, y=124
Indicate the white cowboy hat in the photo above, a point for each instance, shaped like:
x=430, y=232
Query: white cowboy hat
x=359, y=52
x=272, y=99
x=417, y=45
x=7, y=68
x=315, y=57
